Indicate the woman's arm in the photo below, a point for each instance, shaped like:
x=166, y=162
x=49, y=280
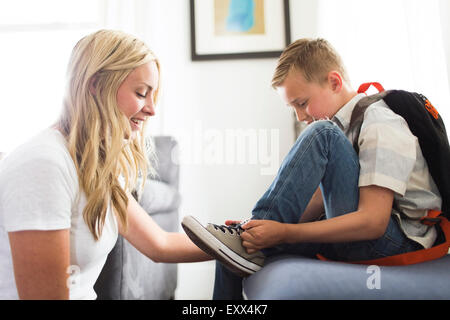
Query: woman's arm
x=41, y=260
x=367, y=223
x=154, y=242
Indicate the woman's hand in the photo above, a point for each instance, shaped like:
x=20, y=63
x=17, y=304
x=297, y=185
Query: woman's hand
x=231, y=222
x=260, y=234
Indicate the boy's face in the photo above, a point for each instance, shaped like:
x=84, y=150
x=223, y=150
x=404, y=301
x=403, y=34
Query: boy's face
x=310, y=100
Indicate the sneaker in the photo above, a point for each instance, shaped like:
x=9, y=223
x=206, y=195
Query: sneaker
x=224, y=243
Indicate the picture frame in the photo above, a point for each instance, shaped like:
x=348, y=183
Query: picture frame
x=239, y=29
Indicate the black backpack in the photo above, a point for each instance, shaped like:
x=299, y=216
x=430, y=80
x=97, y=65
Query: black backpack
x=424, y=122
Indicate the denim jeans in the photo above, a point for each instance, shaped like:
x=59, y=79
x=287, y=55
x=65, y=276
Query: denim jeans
x=321, y=157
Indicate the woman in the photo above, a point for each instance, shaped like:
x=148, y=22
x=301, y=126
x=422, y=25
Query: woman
x=65, y=195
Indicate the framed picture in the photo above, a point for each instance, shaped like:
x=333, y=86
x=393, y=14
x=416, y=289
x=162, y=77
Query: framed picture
x=239, y=29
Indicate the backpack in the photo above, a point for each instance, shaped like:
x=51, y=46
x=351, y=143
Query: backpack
x=426, y=124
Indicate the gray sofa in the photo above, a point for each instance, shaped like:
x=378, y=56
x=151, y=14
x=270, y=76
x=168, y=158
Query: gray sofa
x=297, y=278
x=127, y=273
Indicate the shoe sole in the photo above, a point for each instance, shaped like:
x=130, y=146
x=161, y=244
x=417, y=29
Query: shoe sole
x=216, y=249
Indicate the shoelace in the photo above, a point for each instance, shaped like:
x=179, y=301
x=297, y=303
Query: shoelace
x=232, y=227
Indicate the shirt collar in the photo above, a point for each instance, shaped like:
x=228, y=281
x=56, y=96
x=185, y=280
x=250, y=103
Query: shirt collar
x=343, y=116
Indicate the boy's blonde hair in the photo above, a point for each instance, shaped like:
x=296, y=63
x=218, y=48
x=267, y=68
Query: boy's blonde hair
x=314, y=58
x=99, y=135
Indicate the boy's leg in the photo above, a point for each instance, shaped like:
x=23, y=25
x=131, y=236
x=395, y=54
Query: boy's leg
x=227, y=285
x=321, y=156
x=324, y=154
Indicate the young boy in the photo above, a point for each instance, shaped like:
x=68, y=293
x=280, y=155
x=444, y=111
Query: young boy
x=372, y=202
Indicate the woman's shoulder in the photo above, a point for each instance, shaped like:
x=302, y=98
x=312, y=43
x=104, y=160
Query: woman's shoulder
x=46, y=150
x=48, y=143
x=38, y=185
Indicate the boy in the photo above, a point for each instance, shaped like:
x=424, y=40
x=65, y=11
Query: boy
x=372, y=201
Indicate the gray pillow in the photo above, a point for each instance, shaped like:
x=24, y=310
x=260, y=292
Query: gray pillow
x=158, y=197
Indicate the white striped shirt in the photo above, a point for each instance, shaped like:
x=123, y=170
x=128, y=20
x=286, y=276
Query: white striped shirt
x=390, y=157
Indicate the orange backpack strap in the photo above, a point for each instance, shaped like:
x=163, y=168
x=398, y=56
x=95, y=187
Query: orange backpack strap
x=418, y=256
x=365, y=86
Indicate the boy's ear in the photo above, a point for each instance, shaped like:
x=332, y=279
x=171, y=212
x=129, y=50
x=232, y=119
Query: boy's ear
x=335, y=81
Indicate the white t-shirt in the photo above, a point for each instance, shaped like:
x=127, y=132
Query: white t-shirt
x=39, y=191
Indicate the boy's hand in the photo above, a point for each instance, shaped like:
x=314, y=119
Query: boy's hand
x=261, y=234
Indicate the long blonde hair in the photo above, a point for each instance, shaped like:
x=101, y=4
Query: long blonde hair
x=98, y=134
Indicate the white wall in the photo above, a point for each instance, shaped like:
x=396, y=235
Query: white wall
x=202, y=102
x=304, y=18
x=445, y=17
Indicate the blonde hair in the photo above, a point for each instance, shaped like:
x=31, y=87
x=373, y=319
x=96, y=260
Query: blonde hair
x=97, y=132
x=314, y=58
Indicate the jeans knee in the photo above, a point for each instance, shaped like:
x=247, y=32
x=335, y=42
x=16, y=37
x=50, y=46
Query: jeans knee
x=322, y=125
x=328, y=135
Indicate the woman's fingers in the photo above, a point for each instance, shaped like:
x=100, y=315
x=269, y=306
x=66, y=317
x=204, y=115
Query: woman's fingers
x=229, y=222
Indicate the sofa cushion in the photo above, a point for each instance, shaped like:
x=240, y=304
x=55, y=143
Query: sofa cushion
x=158, y=197
x=293, y=277
x=165, y=159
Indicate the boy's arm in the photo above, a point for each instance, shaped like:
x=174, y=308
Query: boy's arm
x=367, y=223
x=314, y=209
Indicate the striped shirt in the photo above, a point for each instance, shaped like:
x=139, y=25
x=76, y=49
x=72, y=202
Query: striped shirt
x=390, y=157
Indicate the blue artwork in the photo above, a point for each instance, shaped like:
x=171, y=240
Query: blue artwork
x=241, y=15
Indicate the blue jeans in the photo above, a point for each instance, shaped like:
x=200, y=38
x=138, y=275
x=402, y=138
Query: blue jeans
x=321, y=157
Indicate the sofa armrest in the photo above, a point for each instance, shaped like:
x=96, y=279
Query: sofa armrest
x=160, y=193
x=166, y=162
x=158, y=197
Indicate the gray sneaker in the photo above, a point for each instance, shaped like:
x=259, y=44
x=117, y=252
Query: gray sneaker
x=224, y=244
